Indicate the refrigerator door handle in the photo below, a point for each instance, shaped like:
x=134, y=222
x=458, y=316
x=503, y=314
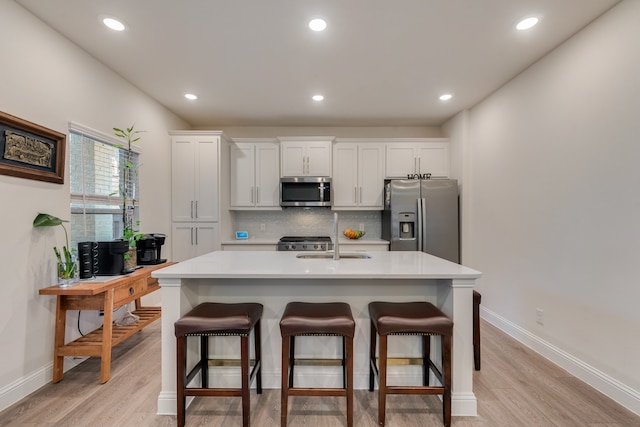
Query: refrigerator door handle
x=423, y=224
x=419, y=222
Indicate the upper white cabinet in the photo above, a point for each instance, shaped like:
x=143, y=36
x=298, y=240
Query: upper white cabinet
x=194, y=176
x=358, y=175
x=255, y=174
x=417, y=157
x=305, y=156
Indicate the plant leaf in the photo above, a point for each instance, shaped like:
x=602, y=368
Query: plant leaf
x=46, y=220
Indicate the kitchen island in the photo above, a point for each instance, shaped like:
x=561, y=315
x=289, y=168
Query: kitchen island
x=276, y=278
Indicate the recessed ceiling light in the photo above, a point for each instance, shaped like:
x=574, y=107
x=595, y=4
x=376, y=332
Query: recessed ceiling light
x=317, y=97
x=190, y=96
x=113, y=23
x=527, y=23
x=446, y=97
x=317, y=24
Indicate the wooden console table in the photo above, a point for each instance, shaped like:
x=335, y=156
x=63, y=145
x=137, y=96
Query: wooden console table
x=107, y=296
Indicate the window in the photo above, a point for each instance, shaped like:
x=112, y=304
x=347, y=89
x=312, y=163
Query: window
x=95, y=169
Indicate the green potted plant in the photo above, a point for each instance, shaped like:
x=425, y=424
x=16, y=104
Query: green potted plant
x=130, y=232
x=67, y=266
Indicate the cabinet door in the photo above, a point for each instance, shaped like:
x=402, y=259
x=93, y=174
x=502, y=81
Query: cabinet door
x=194, y=178
x=400, y=160
x=243, y=175
x=182, y=240
x=433, y=158
x=293, y=158
x=319, y=158
x=182, y=183
x=306, y=158
x=370, y=175
x=190, y=240
x=206, y=179
x=267, y=175
x=206, y=238
x=345, y=175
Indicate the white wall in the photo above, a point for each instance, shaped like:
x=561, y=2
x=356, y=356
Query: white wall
x=555, y=190
x=49, y=81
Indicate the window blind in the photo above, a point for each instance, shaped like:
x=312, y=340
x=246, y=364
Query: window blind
x=96, y=185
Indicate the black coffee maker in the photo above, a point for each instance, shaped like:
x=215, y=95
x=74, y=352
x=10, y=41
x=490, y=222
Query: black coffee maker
x=148, y=249
x=111, y=258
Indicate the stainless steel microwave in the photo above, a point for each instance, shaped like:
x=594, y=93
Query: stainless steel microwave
x=305, y=191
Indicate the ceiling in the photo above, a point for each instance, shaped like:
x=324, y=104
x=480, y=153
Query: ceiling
x=378, y=63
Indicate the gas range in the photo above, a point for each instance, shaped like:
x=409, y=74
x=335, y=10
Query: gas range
x=305, y=243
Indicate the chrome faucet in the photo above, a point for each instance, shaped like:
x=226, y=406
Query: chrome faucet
x=336, y=249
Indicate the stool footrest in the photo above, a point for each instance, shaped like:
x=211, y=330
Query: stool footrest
x=301, y=391
x=218, y=392
x=414, y=389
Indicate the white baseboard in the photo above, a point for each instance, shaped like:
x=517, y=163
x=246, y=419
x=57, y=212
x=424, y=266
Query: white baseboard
x=24, y=386
x=610, y=387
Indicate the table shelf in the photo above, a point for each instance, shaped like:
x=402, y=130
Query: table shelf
x=106, y=296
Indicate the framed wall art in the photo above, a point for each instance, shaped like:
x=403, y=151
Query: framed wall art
x=28, y=150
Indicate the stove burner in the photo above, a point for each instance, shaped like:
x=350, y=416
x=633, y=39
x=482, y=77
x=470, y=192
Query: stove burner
x=305, y=243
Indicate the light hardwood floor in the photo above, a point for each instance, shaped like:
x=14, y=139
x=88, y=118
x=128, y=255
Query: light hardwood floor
x=516, y=387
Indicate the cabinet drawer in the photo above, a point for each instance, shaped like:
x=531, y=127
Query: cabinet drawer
x=130, y=292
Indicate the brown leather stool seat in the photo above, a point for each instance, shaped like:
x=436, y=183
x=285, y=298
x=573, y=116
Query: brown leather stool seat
x=218, y=319
x=410, y=318
x=304, y=318
x=477, y=298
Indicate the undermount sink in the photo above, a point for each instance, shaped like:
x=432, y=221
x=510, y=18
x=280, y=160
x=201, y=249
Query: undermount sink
x=330, y=256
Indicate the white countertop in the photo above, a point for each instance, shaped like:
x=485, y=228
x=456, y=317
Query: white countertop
x=274, y=265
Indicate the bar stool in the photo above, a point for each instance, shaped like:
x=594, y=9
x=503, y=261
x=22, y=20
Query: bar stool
x=218, y=319
x=477, y=298
x=304, y=318
x=410, y=318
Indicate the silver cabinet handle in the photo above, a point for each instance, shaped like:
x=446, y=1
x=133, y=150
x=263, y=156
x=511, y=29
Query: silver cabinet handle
x=196, y=209
x=192, y=209
x=360, y=194
x=257, y=195
x=196, y=228
x=253, y=189
x=191, y=232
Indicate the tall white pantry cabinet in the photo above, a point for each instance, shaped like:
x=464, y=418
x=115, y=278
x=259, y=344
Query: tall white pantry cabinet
x=195, y=192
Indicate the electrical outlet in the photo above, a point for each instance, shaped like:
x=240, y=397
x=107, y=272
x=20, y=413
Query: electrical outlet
x=263, y=227
x=539, y=316
x=361, y=226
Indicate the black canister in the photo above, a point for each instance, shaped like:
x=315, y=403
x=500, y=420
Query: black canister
x=88, y=259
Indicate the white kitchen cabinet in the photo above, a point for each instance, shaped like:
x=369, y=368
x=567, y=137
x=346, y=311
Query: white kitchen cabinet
x=194, y=176
x=305, y=156
x=192, y=239
x=255, y=174
x=417, y=157
x=358, y=175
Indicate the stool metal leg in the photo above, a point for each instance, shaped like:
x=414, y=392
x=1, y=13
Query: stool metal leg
x=344, y=366
x=258, y=353
x=372, y=355
x=204, y=361
x=426, y=354
x=292, y=358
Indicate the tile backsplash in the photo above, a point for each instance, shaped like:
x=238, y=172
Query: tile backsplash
x=304, y=222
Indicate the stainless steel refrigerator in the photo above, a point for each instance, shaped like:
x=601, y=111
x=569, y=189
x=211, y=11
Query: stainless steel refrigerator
x=422, y=215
